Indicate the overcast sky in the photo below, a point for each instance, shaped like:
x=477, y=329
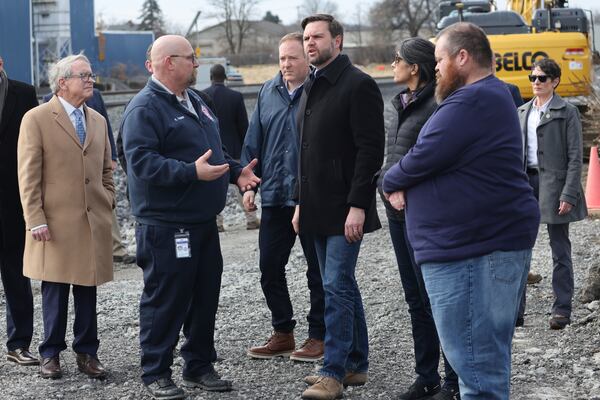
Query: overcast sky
x=181, y=12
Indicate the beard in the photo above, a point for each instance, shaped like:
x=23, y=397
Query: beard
x=192, y=79
x=323, y=56
x=449, y=83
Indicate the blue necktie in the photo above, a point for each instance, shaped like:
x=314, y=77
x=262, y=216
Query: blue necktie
x=79, y=125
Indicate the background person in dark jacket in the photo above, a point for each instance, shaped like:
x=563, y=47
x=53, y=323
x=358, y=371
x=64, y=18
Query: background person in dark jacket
x=273, y=139
x=342, y=141
x=553, y=154
x=233, y=124
x=178, y=176
x=16, y=98
x=414, y=67
x=471, y=215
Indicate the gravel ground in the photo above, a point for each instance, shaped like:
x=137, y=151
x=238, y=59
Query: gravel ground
x=546, y=364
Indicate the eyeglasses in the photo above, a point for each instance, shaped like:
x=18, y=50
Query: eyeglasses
x=397, y=58
x=191, y=57
x=85, y=77
x=541, y=78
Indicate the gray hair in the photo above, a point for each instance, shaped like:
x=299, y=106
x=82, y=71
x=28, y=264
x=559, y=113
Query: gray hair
x=62, y=69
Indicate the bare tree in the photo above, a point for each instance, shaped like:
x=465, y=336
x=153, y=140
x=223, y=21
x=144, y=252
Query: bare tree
x=235, y=17
x=410, y=16
x=310, y=7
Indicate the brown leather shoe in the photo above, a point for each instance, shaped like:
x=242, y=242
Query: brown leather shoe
x=311, y=350
x=278, y=345
x=91, y=366
x=50, y=368
x=325, y=388
x=558, y=321
x=22, y=357
x=351, y=379
x=533, y=278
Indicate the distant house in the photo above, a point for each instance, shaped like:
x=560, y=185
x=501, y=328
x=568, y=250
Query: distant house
x=125, y=26
x=262, y=37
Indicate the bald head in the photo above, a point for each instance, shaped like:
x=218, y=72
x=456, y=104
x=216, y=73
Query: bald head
x=166, y=46
x=172, y=61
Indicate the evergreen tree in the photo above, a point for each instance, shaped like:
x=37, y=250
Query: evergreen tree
x=272, y=18
x=151, y=18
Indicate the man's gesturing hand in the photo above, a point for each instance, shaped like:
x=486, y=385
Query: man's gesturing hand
x=247, y=179
x=207, y=172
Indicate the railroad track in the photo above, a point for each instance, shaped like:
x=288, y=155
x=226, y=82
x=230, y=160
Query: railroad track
x=121, y=98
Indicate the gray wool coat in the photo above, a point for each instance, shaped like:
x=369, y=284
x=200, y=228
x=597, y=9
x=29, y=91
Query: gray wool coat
x=560, y=157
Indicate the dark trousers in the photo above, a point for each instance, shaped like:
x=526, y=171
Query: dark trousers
x=55, y=306
x=425, y=337
x=178, y=292
x=19, y=301
x=276, y=239
x=562, y=273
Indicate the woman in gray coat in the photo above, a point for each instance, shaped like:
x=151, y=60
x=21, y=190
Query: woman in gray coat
x=553, y=158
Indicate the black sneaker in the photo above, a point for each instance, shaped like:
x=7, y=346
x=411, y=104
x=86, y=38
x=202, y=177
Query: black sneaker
x=419, y=390
x=210, y=381
x=447, y=394
x=165, y=389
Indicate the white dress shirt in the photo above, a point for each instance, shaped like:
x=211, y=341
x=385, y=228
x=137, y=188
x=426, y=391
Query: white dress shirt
x=69, y=109
x=533, y=120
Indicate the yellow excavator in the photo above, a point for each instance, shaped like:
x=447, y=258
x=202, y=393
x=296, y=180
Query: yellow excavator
x=527, y=31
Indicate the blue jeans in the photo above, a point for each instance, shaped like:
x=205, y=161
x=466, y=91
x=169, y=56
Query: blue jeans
x=474, y=304
x=346, y=339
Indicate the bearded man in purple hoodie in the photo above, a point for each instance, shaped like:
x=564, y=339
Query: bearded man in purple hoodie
x=471, y=216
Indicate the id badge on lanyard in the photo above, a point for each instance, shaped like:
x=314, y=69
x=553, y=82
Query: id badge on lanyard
x=182, y=244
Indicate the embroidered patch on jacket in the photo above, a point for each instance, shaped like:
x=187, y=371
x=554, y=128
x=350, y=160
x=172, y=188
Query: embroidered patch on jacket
x=207, y=113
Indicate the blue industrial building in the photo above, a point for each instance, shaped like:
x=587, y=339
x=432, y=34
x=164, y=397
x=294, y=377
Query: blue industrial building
x=35, y=33
x=15, y=39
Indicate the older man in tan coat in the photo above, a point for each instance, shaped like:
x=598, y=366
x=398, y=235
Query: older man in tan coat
x=65, y=181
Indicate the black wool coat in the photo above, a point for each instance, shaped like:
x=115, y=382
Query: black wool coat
x=20, y=98
x=342, y=137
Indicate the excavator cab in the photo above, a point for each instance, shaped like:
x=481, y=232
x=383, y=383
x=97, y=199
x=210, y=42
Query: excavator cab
x=528, y=32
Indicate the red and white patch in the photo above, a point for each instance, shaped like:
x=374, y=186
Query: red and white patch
x=207, y=113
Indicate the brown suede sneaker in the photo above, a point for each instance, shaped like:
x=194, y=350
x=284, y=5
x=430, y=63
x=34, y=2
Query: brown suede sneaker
x=311, y=350
x=351, y=379
x=278, y=345
x=325, y=388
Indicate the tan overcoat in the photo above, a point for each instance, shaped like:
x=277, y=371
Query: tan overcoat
x=69, y=187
